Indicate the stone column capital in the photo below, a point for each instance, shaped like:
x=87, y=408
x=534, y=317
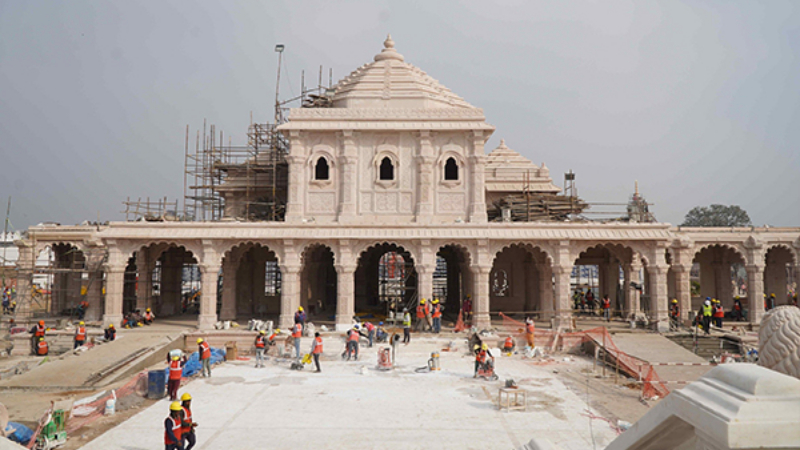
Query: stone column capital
x=481, y=269
x=345, y=268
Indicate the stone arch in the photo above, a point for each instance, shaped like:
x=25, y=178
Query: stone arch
x=385, y=285
x=452, y=277
x=365, y=246
x=779, y=262
x=251, y=281
x=520, y=281
x=318, y=281
x=230, y=251
x=719, y=268
x=167, y=276
x=605, y=264
x=533, y=247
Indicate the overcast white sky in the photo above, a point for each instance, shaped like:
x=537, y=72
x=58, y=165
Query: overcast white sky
x=699, y=101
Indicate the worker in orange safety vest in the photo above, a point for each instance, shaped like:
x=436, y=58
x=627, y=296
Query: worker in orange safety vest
x=173, y=427
x=187, y=423
x=508, y=345
x=175, y=374
x=42, y=347
x=204, y=352
x=316, y=350
x=80, y=335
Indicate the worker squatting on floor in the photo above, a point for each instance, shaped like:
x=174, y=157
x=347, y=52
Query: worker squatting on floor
x=352, y=343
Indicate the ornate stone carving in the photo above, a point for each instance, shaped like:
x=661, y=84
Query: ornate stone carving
x=322, y=202
x=452, y=202
x=779, y=340
x=386, y=202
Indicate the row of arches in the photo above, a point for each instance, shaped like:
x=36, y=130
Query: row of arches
x=166, y=277
x=386, y=169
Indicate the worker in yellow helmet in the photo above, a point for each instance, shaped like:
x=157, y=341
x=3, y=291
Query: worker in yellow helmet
x=300, y=317
x=204, y=352
x=149, y=317
x=421, y=313
x=187, y=424
x=172, y=428
x=80, y=335
x=674, y=314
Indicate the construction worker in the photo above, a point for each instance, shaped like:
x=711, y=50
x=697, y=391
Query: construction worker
x=6, y=302
x=81, y=310
x=530, y=330
x=420, y=324
x=718, y=313
x=352, y=342
x=705, y=313
x=110, y=333
x=297, y=333
x=261, y=345
x=370, y=332
x=606, y=303
x=380, y=333
x=771, y=302
x=175, y=374
x=204, y=352
x=467, y=308
x=406, y=326
x=428, y=320
x=271, y=340
x=482, y=356
x=738, y=313
x=187, y=425
x=41, y=347
x=149, y=317
x=316, y=350
x=674, y=314
x=173, y=428
x=476, y=349
x=300, y=317
x=508, y=345
x=37, y=331
x=80, y=336
x=437, y=316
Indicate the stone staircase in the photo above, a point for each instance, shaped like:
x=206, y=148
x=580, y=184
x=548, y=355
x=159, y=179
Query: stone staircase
x=707, y=346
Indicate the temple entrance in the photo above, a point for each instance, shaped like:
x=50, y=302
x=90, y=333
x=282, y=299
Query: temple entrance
x=778, y=274
x=385, y=280
x=450, y=279
x=718, y=272
x=318, y=283
x=520, y=283
x=599, y=271
x=257, y=283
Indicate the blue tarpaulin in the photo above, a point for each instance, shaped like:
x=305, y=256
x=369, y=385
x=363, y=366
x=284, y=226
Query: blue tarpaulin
x=22, y=434
x=193, y=364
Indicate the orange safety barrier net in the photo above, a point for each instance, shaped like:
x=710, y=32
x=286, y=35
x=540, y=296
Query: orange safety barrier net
x=85, y=413
x=652, y=385
x=460, y=326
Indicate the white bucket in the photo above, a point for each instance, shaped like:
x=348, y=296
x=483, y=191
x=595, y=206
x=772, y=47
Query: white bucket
x=110, y=406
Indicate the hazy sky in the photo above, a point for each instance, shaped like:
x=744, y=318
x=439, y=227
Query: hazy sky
x=699, y=101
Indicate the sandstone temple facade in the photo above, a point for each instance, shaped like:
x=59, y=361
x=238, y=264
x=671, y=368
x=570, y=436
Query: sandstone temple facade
x=398, y=166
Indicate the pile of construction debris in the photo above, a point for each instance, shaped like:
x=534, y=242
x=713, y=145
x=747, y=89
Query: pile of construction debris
x=533, y=207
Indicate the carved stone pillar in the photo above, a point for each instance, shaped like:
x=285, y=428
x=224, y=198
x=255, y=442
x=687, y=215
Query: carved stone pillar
x=683, y=289
x=297, y=179
x=228, y=309
x=477, y=207
x=633, y=276
x=755, y=292
x=546, y=305
x=659, y=301
x=425, y=161
x=480, y=306
x=531, y=287
x=562, y=270
x=208, y=297
x=115, y=281
x=348, y=161
x=345, y=295
x=611, y=284
x=144, y=285
x=563, y=317
x=290, y=294
x=25, y=264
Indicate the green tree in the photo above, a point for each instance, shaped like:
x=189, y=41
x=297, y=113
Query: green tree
x=717, y=216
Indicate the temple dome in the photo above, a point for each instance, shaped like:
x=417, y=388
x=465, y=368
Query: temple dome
x=508, y=171
x=390, y=82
